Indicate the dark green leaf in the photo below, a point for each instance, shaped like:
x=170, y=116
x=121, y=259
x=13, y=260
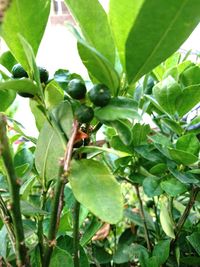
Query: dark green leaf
x=90, y=231
x=186, y=178
x=182, y=157
x=124, y=131
x=161, y=251
x=194, y=240
x=188, y=143
x=61, y=258
x=30, y=210
x=173, y=187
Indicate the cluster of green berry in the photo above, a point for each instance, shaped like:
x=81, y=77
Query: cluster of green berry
x=99, y=95
x=19, y=72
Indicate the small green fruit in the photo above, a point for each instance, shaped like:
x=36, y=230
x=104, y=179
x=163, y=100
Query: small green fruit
x=99, y=95
x=44, y=74
x=84, y=113
x=76, y=89
x=19, y=72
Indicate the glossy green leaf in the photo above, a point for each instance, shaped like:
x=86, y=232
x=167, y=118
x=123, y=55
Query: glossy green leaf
x=166, y=93
x=93, y=22
x=124, y=131
x=7, y=60
x=118, y=108
x=61, y=258
x=189, y=98
x=92, y=188
x=49, y=150
x=22, y=18
x=23, y=156
x=117, y=144
x=182, y=157
x=20, y=85
x=122, y=14
x=190, y=76
x=99, y=67
x=166, y=222
x=160, y=28
x=173, y=187
x=158, y=168
x=188, y=143
x=161, y=251
x=151, y=186
x=194, y=240
x=6, y=98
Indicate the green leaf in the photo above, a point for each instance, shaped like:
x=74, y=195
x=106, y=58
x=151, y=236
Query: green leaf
x=160, y=28
x=66, y=243
x=121, y=27
x=93, y=21
x=38, y=113
x=6, y=98
x=7, y=60
x=123, y=130
x=53, y=94
x=186, y=178
x=118, y=108
x=117, y=144
x=99, y=67
x=140, y=133
x=189, y=98
x=173, y=187
x=22, y=86
x=166, y=93
x=91, y=230
x=166, y=222
x=49, y=150
x=30, y=210
x=173, y=125
x=139, y=252
x=161, y=251
x=61, y=258
x=190, y=76
x=151, y=186
x=86, y=181
x=158, y=168
x=182, y=157
x=64, y=117
x=23, y=156
x=188, y=143
x=101, y=255
x=22, y=18
x=194, y=240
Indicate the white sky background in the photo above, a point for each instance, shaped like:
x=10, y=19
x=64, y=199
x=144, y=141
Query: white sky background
x=58, y=50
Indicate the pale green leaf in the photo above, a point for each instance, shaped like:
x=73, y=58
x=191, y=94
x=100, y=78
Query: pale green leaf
x=98, y=191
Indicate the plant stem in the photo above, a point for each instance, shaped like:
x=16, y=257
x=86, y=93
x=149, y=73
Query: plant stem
x=58, y=197
x=14, y=205
x=185, y=214
x=76, y=234
x=7, y=220
x=146, y=232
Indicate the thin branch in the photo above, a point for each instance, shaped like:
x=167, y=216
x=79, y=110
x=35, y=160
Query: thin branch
x=14, y=205
x=185, y=214
x=7, y=220
x=146, y=232
x=59, y=196
x=76, y=234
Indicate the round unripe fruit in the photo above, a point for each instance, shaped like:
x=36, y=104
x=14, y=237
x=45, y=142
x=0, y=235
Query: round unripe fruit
x=18, y=71
x=44, y=74
x=76, y=89
x=26, y=95
x=99, y=95
x=84, y=113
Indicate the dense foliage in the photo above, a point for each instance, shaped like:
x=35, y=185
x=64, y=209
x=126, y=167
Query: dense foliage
x=130, y=198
